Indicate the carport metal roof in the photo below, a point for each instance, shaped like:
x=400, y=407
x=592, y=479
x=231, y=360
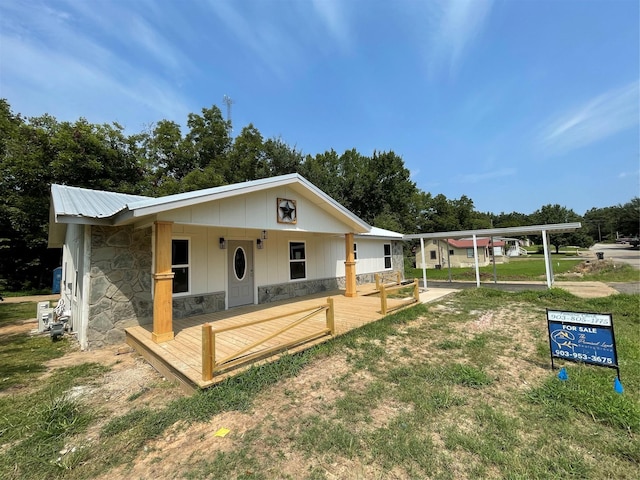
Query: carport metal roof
x=543, y=230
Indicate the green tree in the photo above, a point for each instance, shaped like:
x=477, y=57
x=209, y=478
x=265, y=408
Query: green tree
x=280, y=158
x=629, y=218
x=602, y=223
x=40, y=151
x=550, y=214
x=209, y=139
x=247, y=159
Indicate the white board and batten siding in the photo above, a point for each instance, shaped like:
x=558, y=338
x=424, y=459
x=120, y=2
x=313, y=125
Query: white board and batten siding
x=257, y=210
x=73, y=282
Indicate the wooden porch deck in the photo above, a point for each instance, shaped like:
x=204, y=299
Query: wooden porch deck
x=180, y=359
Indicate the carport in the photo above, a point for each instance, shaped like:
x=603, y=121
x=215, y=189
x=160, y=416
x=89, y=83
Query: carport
x=543, y=230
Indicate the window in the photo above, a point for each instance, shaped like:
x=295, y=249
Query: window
x=297, y=261
x=355, y=251
x=432, y=254
x=240, y=263
x=451, y=252
x=180, y=265
x=387, y=255
x=469, y=252
x=434, y=242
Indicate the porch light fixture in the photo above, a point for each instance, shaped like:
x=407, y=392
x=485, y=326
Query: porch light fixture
x=259, y=244
x=223, y=243
x=264, y=235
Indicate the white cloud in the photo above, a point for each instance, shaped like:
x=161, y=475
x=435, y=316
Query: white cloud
x=595, y=120
x=68, y=62
x=333, y=15
x=635, y=174
x=37, y=79
x=481, y=177
x=455, y=24
x=275, y=49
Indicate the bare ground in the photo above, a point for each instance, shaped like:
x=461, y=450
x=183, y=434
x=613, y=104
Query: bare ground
x=131, y=383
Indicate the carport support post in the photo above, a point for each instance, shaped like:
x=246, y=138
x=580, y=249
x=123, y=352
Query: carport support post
x=448, y=258
x=424, y=264
x=493, y=256
x=350, y=267
x=475, y=257
x=162, y=284
x=547, y=261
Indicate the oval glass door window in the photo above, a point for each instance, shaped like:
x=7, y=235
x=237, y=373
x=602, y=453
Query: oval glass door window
x=240, y=263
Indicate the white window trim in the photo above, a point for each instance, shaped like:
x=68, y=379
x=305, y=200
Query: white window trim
x=355, y=251
x=187, y=265
x=297, y=261
x=390, y=256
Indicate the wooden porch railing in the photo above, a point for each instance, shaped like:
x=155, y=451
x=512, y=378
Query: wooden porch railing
x=380, y=279
x=384, y=292
x=210, y=365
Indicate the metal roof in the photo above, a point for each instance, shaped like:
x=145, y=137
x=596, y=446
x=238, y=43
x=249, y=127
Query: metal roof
x=376, y=232
x=76, y=202
x=497, y=232
x=95, y=207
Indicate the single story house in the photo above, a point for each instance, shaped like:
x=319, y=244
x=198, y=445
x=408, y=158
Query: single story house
x=129, y=260
x=459, y=253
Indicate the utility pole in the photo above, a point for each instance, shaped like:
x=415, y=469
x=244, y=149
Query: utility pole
x=228, y=102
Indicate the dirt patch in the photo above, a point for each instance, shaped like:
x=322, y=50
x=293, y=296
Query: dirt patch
x=18, y=328
x=270, y=431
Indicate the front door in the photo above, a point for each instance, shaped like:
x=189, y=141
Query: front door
x=240, y=273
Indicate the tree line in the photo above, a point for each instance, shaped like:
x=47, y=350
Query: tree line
x=164, y=159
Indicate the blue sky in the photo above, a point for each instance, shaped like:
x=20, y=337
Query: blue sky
x=514, y=103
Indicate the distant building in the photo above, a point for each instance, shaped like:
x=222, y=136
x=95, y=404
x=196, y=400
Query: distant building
x=460, y=253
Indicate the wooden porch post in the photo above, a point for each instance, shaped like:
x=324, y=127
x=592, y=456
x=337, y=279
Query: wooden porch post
x=162, y=284
x=350, y=267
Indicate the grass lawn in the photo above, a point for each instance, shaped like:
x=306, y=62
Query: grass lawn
x=11, y=313
x=533, y=268
x=461, y=388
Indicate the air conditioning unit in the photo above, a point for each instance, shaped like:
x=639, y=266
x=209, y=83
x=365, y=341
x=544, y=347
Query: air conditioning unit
x=44, y=314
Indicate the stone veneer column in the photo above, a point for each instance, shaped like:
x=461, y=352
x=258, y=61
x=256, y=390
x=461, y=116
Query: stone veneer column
x=162, y=284
x=120, y=283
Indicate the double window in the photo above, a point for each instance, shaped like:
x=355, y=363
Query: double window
x=297, y=261
x=180, y=265
x=387, y=255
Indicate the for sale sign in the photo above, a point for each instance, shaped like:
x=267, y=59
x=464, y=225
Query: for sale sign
x=582, y=337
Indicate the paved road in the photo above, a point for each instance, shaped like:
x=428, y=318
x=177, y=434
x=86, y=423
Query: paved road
x=619, y=252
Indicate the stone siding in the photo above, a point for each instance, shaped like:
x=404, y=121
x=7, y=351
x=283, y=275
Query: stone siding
x=285, y=291
x=120, y=283
x=198, y=304
x=397, y=257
